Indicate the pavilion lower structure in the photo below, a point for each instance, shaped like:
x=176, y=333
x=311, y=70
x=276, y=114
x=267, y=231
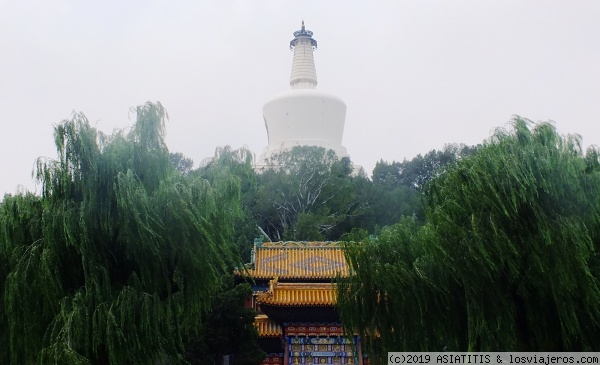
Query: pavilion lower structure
x=295, y=298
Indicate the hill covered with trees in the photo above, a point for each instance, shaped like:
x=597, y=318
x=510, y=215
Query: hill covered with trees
x=127, y=255
x=308, y=194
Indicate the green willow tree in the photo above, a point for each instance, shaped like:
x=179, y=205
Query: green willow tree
x=507, y=259
x=118, y=258
x=237, y=163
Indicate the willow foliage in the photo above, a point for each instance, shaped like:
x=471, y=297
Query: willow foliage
x=118, y=257
x=507, y=259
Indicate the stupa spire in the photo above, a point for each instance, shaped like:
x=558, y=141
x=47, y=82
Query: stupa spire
x=304, y=74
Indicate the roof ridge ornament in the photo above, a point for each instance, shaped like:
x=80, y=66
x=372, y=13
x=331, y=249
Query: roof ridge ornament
x=301, y=244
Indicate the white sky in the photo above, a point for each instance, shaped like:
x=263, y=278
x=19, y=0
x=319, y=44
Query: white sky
x=414, y=74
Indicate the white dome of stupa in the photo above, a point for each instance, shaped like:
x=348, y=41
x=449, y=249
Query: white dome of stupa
x=304, y=116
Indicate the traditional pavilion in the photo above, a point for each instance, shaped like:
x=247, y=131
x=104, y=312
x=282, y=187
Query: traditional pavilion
x=295, y=299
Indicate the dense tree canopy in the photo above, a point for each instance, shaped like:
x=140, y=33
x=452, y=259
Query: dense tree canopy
x=119, y=256
x=227, y=330
x=507, y=259
x=126, y=256
x=398, y=186
x=307, y=193
x=181, y=163
x=237, y=163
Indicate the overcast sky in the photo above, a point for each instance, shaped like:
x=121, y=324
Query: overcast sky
x=415, y=75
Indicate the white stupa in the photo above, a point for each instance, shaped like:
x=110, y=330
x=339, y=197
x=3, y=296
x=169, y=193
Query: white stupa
x=304, y=116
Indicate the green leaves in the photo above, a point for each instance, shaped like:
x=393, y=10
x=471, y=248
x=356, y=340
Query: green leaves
x=306, y=193
x=507, y=259
x=228, y=329
x=120, y=255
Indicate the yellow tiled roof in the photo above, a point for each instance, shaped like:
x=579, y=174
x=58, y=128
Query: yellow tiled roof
x=267, y=327
x=299, y=294
x=303, y=260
